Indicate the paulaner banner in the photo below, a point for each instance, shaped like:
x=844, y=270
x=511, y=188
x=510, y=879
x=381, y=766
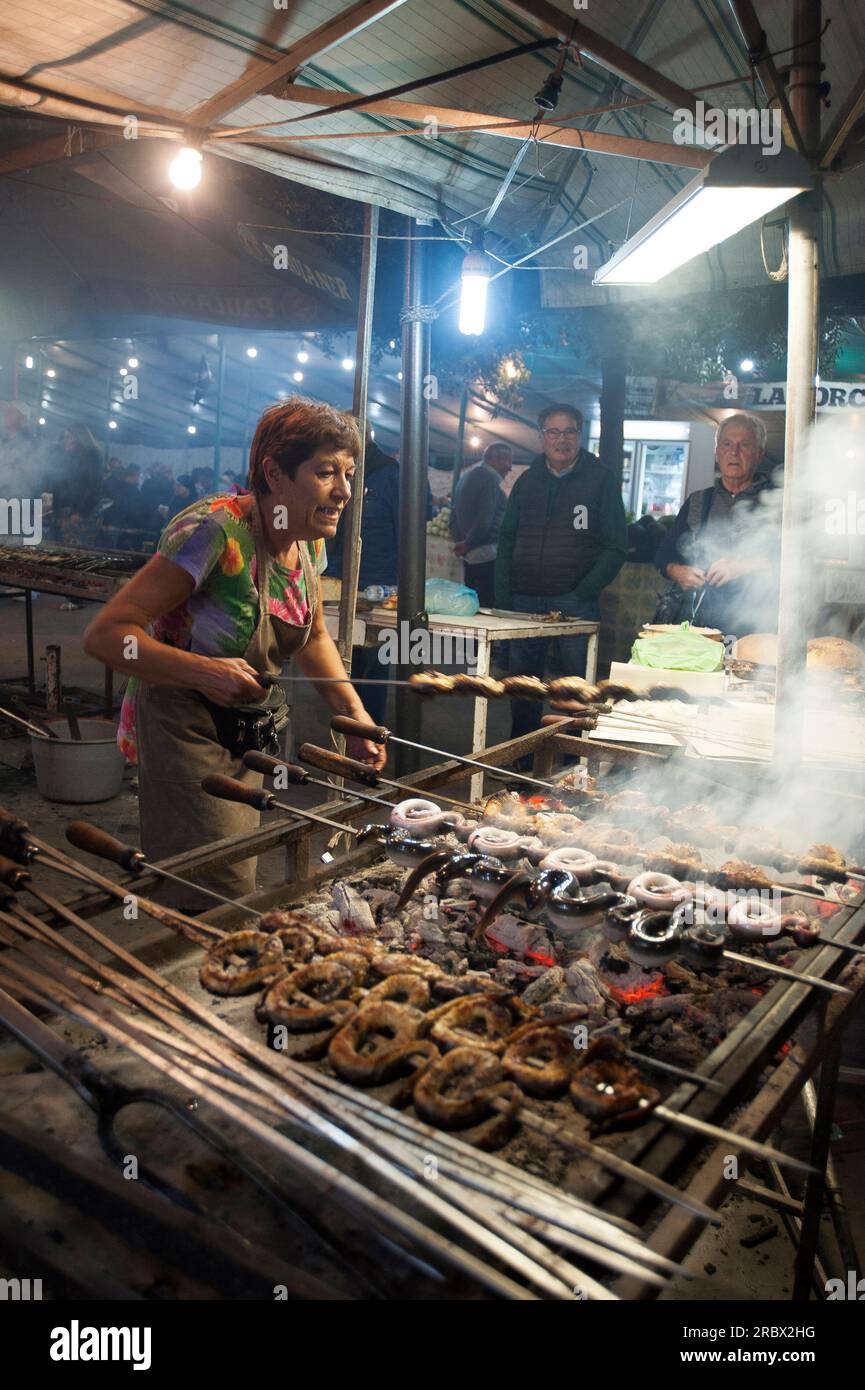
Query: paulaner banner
x=758, y=395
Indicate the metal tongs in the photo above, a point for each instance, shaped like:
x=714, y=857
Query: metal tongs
x=107, y=1098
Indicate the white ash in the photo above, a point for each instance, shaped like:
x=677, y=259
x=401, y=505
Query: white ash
x=585, y=985
x=518, y=936
x=508, y=972
x=353, y=908
x=545, y=986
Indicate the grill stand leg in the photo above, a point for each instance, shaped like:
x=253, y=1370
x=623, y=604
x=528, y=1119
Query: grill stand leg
x=31, y=660
x=816, y=1184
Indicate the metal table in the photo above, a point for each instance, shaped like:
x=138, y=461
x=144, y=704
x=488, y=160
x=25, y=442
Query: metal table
x=477, y=634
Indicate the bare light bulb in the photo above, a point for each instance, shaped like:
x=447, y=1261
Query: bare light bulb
x=185, y=169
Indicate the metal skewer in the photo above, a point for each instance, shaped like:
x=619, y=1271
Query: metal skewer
x=228, y=789
x=377, y=733
x=299, y=777
x=92, y=840
x=330, y=761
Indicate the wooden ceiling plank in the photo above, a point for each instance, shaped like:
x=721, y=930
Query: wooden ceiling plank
x=837, y=135
x=754, y=35
x=262, y=75
x=688, y=156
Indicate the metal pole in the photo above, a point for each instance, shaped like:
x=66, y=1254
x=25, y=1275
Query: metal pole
x=461, y=441
x=411, y=611
x=217, y=442
x=351, y=541
x=815, y=1188
x=798, y=591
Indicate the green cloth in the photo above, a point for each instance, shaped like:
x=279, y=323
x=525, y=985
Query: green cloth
x=613, y=533
x=682, y=650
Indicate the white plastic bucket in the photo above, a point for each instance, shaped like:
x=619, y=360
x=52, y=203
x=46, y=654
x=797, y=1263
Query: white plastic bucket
x=79, y=770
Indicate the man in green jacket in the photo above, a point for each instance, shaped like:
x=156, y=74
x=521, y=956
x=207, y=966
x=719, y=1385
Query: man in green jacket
x=564, y=538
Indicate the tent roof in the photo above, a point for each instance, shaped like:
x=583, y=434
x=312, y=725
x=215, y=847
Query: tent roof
x=173, y=66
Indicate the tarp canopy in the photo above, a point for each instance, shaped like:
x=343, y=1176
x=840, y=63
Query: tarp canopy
x=96, y=243
x=242, y=76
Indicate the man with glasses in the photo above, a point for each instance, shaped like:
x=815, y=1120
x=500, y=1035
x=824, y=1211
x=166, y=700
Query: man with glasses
x=564, y=538
x=723, y=548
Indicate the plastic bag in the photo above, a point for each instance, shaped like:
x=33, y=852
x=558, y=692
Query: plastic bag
x=682, y=650
x=445, y=596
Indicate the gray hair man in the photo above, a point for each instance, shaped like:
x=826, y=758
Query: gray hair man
x=722, y=550
x=476, y=518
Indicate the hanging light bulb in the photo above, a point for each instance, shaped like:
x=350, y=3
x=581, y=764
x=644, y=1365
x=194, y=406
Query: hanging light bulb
x=185, y=169
x=297, y=376
x=132, y=362
x=474, y=283
x=511, y=370
x=303, y=355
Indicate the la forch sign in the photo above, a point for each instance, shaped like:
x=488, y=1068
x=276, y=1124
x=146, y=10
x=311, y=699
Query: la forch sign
x=762, y=395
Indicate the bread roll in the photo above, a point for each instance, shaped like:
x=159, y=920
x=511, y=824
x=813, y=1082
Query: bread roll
x=824, y=653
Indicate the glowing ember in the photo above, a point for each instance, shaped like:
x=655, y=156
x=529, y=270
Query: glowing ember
x=633, y=996
x=540, y=958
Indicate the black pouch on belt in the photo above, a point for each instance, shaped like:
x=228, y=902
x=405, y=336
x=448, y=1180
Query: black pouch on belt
x=241, y=728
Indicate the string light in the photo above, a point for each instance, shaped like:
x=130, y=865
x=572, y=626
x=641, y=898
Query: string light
x=303, y=355
x=50, y=372
x=112, y=424
x=252, y=352
x=347, y=363
x=297, y=376
x=28, y=362
x=191, y=429
x=132, y=362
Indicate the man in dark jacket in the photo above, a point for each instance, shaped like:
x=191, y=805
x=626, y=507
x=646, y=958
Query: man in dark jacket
x=476, y=518
x=723, y=549
x=564, y=538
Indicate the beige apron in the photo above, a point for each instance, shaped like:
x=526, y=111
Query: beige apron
x=177, y=747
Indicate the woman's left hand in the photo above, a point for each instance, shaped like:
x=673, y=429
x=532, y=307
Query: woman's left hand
x=367, y=752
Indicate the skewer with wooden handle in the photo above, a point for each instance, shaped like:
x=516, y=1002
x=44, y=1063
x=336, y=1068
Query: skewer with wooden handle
x=227, y=789
x=53, y=858
x=330, y=761
x=377, y=733
x=92, y=840
x=299, y=777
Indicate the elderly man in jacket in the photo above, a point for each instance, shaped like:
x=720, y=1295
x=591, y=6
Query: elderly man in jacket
x=723, y=549
x=564, y=538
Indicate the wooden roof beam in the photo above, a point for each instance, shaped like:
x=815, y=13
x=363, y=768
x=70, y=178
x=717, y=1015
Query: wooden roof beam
x=688, y=156
x=263, y=75
x=754, y=35
x=607, y=53
x=835, y=141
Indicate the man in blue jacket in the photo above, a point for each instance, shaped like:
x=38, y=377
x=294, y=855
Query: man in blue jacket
x=564, y=538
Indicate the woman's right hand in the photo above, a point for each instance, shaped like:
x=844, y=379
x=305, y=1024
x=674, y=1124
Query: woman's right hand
x=229, y=681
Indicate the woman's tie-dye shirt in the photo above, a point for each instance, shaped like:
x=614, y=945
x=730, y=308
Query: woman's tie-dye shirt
x=214, y=543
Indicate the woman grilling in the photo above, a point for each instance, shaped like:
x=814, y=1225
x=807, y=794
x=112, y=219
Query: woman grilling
x=232, y=593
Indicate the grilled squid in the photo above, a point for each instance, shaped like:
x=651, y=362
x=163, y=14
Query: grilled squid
x=653, y=938
x=752, y=919
x=579, y=862
x=407, y=850
x=418, y=815
x=489, y=839
x=661, y=892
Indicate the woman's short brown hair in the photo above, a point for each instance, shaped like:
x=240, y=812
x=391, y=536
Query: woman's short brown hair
x=294, y=430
